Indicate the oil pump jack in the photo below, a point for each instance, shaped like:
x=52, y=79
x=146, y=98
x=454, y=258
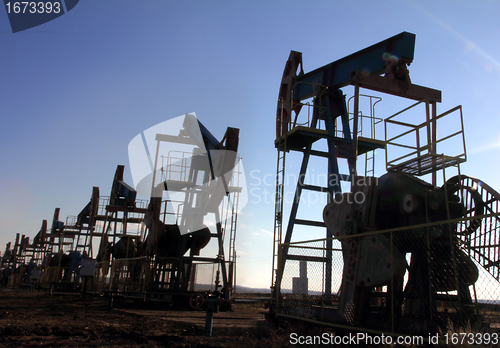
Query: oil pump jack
x=204, y=178
x=379, y=290
x=147, y=254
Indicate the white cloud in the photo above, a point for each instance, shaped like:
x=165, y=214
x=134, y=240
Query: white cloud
x=267, y=232
x=487, y=147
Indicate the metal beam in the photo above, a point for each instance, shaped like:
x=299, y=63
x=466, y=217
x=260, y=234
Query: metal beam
x=395, y=87
x=371, y=59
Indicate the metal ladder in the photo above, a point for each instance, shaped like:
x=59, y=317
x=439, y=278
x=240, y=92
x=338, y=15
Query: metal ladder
x=278, y=207
x=232, y=230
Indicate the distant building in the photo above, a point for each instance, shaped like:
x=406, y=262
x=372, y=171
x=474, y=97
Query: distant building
x=300, y=284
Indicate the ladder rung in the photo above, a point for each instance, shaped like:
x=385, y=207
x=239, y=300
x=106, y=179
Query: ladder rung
x=319, y=153
x=315, y=188
x=306, y=258
x=310, y=223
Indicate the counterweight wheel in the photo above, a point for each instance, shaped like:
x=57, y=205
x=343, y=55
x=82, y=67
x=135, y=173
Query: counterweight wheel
x=478, y=235
x=465, y=188
x=196, y=301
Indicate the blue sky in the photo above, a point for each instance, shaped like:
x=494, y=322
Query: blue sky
x=76, y=90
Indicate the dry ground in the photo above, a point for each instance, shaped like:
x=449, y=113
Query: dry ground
x=35, y=319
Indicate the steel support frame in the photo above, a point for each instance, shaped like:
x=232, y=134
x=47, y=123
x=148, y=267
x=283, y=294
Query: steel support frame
x=180, y=276
x=346, y=71
x=334, y=106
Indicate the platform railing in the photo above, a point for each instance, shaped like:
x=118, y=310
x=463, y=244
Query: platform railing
x=367, y=121
x=176, y=166
x=414, y=151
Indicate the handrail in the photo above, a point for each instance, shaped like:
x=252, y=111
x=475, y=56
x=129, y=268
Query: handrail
x=418, y=148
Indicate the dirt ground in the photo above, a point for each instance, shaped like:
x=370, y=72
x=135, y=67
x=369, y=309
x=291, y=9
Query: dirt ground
x=35, y=319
